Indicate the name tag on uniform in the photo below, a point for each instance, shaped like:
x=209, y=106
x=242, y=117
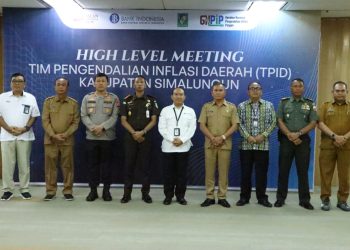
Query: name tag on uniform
x=255, y=123
x=26, y=109
x=176, y=131
x=147, y=113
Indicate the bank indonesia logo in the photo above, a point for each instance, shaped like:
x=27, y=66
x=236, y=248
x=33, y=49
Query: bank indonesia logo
x=182, y=19
x=114, y=18
x=212, y=20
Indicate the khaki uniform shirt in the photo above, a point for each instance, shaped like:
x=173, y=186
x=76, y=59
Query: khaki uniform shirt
x=218, y=120
x=337, y=118
x=60, y=117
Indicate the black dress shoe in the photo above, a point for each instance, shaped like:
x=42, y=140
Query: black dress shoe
x=106, y=195
x=208, y=202
x=167, y=201
x=265, y=203
x=224, y=203
x=181, y=201
x=146, y=198
x=242, y=202
x=125, y=199
x=279, y=203
x=306, y=205
x=92, y=195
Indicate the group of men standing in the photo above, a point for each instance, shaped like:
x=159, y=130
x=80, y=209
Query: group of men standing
x=255, y=119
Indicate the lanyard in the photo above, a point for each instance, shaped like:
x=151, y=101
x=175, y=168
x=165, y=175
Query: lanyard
x=255, y=111
x=178, y=118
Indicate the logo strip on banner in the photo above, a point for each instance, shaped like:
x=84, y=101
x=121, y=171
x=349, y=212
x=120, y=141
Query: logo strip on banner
x=160, y=20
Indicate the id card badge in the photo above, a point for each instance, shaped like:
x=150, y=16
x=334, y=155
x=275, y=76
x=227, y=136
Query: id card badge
x=176, y=131
x=26, y=109
x=147, y=113
x=255, y=123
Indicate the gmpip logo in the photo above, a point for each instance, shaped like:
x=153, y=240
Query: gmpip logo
x=212, y=20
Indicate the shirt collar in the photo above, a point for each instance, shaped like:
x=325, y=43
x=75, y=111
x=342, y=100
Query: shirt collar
x=345, y=103
x=251, y=102
x=173, y=106
x=292, y=99
x=224, y=103
x=59, y=100
x=135, y=97
x=23, y=93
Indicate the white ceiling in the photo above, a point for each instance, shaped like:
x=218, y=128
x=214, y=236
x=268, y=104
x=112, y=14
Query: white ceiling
x=328, y=7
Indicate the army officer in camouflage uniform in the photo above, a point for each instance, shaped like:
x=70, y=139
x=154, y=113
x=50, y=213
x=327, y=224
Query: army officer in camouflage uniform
x=296, y=117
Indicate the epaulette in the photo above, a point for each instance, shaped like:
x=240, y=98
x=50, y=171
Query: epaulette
x=112, y=94
x=72, y=99
x=50, y=97
x=151, y=97
x=285, y=99
x=128, y=96
x=91, y=93
x=308, y=99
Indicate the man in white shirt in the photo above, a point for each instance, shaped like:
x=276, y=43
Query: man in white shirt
x=177, y=125
x=18, y=111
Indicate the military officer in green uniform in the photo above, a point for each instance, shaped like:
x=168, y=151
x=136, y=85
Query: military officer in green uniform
x=296, y=116
x=60, y=121
x=138, y=116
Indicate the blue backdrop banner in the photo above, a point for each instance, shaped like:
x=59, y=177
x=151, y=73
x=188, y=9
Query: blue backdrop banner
x=188, y=49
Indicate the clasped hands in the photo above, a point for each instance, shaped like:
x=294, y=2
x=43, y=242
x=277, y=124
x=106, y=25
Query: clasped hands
x=294, y=137
x=16, y=131
x=256, y=139
x=217, y=141
x=138, y=136
x=339, y=141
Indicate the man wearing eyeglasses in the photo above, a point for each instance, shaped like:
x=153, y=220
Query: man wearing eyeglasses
x=18, y=111
x=257, y=120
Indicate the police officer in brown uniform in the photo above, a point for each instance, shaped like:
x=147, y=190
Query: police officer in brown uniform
x=138, y=115
x=60, y=120
x=335, y=146
x=218, y=120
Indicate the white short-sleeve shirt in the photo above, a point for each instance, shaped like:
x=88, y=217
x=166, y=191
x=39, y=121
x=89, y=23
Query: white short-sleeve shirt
x=16, y=111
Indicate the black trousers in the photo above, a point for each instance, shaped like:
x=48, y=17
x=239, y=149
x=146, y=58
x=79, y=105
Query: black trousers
x=136, y=153
x=260, y=160
x=301, y=153
x=99, y=155
x=175, y=174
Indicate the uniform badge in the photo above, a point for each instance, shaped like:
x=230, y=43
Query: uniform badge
x=129, y=113
x=305, y=106
x=26, y=109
